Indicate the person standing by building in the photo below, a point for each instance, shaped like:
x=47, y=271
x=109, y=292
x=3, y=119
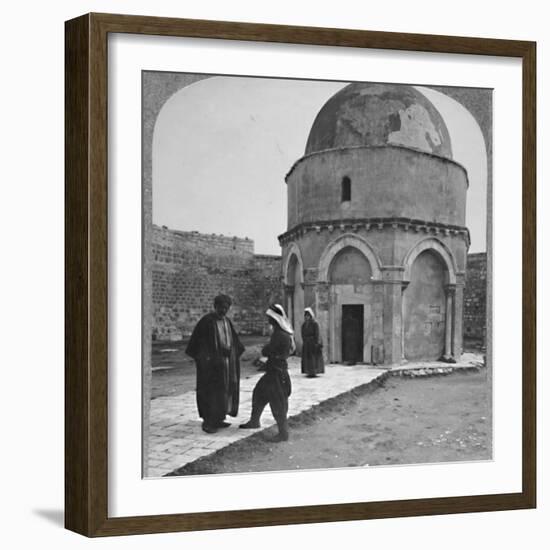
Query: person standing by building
x=274, y=387
x=312, y=347
x=216, y=349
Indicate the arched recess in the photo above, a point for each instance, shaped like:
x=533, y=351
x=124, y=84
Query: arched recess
x=293, y=250
x=344, y=241
x=424, y=308
x=440, y=249
x=293, y=274
x=348, y=267
x=428, y=307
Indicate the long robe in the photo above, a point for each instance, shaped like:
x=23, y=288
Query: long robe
x=218, y=373
x=312, y=353
x=274, y=387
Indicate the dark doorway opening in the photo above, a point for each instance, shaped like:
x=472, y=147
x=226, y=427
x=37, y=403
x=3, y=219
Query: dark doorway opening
x=352, y=333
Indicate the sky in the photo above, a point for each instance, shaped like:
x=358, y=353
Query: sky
x=223, y=146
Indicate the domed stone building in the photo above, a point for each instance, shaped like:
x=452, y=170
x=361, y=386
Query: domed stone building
x=376, y=239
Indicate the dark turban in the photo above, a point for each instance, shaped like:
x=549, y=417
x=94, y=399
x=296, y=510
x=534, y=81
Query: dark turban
x=222, y=299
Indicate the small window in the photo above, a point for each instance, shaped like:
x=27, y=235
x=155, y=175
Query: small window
x=346, y=189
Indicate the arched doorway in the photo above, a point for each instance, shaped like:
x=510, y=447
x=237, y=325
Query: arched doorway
x=351, y=299
x=424, y=308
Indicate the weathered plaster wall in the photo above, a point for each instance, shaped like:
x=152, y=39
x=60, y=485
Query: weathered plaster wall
x=424, y=309
x=385, y=182
x=350, y=267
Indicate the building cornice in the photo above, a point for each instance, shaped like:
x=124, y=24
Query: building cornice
x=375, y=224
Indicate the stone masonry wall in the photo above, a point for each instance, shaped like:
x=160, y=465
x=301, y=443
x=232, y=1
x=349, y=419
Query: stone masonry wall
x=475, y=299
x=191, y=268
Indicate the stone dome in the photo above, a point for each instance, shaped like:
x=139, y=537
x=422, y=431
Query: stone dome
x=366, y=114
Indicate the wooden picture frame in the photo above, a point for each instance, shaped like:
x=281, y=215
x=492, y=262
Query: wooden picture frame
x=86, y=283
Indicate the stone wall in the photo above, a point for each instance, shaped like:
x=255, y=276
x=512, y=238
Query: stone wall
x=190, y=268
x=475, y=299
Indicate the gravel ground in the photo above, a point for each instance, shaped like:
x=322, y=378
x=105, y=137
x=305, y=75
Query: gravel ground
x=404, y=421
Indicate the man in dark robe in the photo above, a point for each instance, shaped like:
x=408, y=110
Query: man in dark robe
x=216, y=348
x=274, y=387
x=312, y=347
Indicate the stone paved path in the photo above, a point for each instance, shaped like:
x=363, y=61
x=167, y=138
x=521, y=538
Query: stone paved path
x=176, y=437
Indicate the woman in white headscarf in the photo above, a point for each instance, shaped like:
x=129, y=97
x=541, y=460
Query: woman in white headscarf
x=274, y=386
x=312, y=347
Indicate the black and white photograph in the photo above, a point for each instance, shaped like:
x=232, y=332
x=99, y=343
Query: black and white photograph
x=274, y=275
x=315, y=270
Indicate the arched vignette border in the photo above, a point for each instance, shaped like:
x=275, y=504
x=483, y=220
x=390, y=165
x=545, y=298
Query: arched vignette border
x=344, y=241
x=156, y=93
x=435, y=245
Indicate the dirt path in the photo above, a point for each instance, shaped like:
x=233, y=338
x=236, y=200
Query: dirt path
x=406, y=421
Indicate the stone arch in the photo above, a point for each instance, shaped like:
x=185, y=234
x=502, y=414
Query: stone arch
x=354, y=297
x=350, y=266
x=345, y=241
x=424, y=311
x=293, y=277
x=293, y=250
x=434, y=245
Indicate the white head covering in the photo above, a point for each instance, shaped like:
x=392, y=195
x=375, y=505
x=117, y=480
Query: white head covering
x=276, y=311
x=310, y=311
